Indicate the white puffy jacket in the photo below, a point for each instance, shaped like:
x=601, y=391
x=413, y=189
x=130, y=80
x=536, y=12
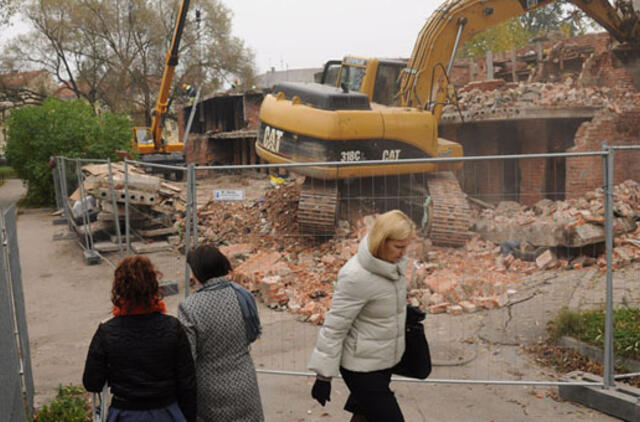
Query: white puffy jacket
x=364, y=329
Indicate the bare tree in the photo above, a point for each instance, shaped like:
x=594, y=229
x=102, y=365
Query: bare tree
x=112, y=52
x=8, y=8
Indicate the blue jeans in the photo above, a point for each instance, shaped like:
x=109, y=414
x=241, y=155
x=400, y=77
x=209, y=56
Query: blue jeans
x=171, y=413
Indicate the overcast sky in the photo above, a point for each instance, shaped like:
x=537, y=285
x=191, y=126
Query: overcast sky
x=301, y=33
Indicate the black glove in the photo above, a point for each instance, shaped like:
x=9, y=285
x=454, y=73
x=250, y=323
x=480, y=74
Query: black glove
x=321, y=391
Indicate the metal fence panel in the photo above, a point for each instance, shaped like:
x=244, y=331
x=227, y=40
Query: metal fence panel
x=225, y=197
x=18, y=300
x=530, y=179
x=12, y=406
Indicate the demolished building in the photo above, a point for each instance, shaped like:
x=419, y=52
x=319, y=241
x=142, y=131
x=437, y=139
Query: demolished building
x=578, y=94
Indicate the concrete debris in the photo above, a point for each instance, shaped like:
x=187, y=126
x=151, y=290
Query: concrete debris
x=572, y=223
x=155, y=206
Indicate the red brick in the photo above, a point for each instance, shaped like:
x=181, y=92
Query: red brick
x=256, y=267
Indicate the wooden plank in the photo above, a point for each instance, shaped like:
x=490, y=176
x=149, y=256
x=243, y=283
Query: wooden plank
x=97, y=169
x=163, y=231
x=252, y=151
x=243, y=151
x=171, y=187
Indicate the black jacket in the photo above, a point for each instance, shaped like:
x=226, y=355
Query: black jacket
x=146, y=359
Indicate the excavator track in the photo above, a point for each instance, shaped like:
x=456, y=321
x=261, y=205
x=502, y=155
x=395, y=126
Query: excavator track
x=450, y=217
x=449, y=212
x=318, y=207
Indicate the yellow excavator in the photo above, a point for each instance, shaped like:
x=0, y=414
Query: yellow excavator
x=148, y=142
x=359, y=119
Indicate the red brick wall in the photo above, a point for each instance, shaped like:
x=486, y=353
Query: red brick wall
x=600, y=43
x=251, y=110
x=585, y=173
x=196, y=150
x=489, y=174
x=533, y=140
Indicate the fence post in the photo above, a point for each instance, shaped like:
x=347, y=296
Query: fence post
x=114, y=204
x=489, y=65
x=187, y=231
x=194, y=208
x=609, y=362
x=56, y=184
x=83, y=207
x=62, y=168
x=126, y=206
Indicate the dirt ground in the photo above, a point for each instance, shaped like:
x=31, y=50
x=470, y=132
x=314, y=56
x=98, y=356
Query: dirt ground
x=66, y=299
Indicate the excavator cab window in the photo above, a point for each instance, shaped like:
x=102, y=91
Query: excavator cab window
x=331, y=72
x=143, y=136
x=387, y=82
x=352, y=76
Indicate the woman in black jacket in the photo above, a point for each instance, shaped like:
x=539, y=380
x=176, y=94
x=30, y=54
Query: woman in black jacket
x=143, y=354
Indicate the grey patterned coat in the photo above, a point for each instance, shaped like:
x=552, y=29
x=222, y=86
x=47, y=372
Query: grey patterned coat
x=226, y=378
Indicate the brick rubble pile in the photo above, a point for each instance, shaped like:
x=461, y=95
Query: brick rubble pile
x=483, y=98
x=574, y=223
x=288, y=271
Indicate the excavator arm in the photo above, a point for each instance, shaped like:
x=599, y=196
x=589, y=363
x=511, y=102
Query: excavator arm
x=425, y=80
x=171, y=61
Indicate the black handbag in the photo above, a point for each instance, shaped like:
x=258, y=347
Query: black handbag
x=416, y=361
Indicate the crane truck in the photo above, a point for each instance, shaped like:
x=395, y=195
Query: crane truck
x=148, y=142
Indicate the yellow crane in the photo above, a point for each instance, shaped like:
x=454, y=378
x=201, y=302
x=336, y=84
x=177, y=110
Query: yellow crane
x=359, y=120
x=148, y=141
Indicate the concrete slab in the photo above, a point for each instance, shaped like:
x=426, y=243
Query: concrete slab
x=106, y=247
x=596, y=353
x=621, y=401
x=64, y=235
x=90, y=257
x=516, y=113
x=139, y=247
x=169, y=288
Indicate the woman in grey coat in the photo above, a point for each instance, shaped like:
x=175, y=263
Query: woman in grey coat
x=363, y=333
x=212, y=317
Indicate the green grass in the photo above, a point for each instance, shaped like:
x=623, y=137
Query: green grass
x=7, y=172
x=588, y=326
x=70, y=405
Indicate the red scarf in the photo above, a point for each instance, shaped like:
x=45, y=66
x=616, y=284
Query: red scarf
x=156, y=306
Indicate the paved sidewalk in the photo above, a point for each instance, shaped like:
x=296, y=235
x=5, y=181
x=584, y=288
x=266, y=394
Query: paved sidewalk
x=10, y=192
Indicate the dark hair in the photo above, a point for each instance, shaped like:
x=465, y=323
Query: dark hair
x=207, y=262
x=135, y=283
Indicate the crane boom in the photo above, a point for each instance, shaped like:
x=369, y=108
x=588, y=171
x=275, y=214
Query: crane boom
x=171, y=61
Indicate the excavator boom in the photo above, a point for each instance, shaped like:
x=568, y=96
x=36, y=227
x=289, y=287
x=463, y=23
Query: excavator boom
x=424, y=83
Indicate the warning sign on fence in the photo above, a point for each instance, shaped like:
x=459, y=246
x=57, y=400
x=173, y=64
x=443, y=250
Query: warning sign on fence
x=228, y=194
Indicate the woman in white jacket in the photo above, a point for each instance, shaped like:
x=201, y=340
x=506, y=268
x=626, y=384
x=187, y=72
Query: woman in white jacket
x=363, y=332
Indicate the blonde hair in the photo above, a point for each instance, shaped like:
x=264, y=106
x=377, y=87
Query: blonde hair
x=394, y=225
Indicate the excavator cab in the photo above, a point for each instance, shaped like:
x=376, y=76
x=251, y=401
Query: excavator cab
x=379, y=79
x=142, y=142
